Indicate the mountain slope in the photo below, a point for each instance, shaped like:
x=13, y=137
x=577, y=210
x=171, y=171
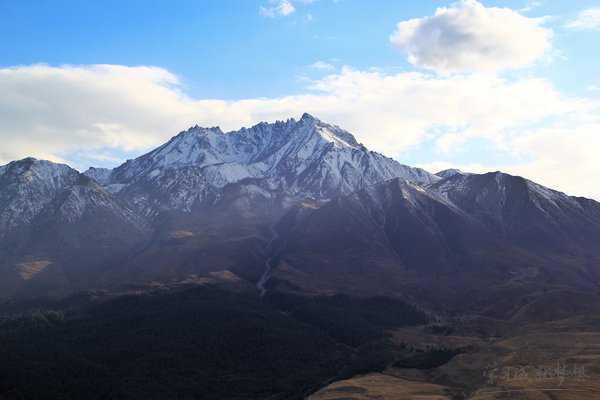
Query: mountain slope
x=493, y=238
x=59, y=226
x=525, y=212
x=376, y=239
x=26, y=187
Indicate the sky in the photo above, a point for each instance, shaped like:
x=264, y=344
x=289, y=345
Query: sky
x=476, y=85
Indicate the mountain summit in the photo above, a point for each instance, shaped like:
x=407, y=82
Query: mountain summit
x=27, y=186
x=305, y=157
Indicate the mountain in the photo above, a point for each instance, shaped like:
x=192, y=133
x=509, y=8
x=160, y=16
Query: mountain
x=293, y=206
x=57, y=225
x=100, y=175
x=26, y=187
x=467, y=242
x=214, y=198
x=205, y=201
x=449, y=172
x=373, y=240
x=524, y=212
x=307, y=158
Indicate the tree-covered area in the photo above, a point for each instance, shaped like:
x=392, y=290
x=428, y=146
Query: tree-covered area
x=350, y=320
x=426, y=358
x=201, y=343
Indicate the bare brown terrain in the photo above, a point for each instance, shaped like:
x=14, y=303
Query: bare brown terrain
x=556, y=360
x=381, y=386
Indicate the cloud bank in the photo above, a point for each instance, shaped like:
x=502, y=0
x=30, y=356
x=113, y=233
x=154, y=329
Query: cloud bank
x=54, y=112
x=469, y=37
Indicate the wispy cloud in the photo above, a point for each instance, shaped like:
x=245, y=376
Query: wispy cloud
x=277, y=8
x=284, y=8
x=531, y=5
x=586, y=20
x=322, y=65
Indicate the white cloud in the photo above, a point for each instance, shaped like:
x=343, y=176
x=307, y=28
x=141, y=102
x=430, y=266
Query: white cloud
x=468, y=36
x=283, y=8
x=277, y=8
x=563, y=156
x=48, y=111
x=531, y=5
x=87, y=111
x=322, y=65
x=586, y=20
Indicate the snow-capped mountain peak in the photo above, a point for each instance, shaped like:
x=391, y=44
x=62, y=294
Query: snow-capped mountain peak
x=100, y=175
x=31, y=170
x=263, y=146
x=27, y=186
x=307, y=117
x=305, y=157
x=447, y=173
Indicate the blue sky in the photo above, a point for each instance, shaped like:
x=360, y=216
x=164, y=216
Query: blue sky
x=226, y=49
x=93, y=83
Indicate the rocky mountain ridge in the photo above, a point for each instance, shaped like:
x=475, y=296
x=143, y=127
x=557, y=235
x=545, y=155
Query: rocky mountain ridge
x=306, y=157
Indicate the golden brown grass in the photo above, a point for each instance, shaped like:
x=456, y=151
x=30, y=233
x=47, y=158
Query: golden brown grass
x=381, y=386
x=28, y=270
x=558, y=360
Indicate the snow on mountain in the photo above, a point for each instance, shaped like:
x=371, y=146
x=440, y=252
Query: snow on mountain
x=353, y=209
x=27, y=186
x=30, y=188
x=30, y=170
x=499, y=186
x=100, y=175
x=521, y=209
x=86, y=197
x=450, y=172
x=412, y=194
x=305, y=157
